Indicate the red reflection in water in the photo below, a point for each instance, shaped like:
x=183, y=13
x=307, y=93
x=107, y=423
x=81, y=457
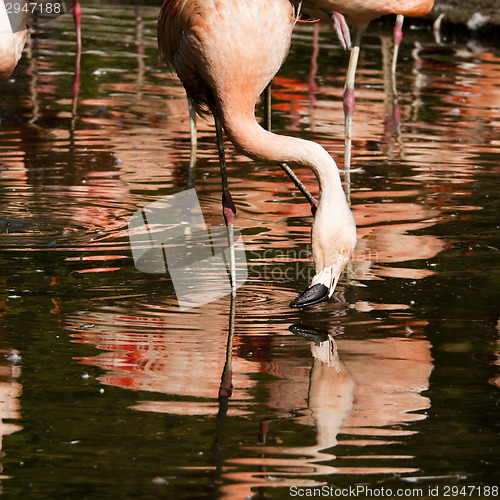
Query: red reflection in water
x=367, y=390
x=189, y=365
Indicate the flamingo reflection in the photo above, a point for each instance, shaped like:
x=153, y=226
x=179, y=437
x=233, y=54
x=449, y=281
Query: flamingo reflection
x=351, y=391
x=10, y=392
x=365, y=389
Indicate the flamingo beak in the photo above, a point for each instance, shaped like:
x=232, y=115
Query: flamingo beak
x=333, y=285
x=319, y=291
x=313, y=295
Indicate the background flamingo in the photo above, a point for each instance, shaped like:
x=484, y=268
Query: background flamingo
x=359, y=14
x=225, y=54
x=12, y=39
x=13, y=34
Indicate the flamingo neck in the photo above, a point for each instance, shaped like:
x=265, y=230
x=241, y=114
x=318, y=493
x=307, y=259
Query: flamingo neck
x=257, y=143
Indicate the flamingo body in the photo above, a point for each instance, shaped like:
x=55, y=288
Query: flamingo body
x=12, y=40
x=359, y=13
x=226, y=52
x=212, y=46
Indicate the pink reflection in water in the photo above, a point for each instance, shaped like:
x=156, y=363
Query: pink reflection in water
x=10, y=392
x=350, y=391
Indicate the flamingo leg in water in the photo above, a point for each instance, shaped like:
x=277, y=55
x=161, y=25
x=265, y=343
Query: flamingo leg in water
x=226, y=382
x=228, y=206
x=77, y=14
x=298, y=183
x=398, y=37
x=194, y=135
x=267, y=125
x=349, y=100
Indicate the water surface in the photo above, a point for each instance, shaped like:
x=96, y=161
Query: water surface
x=109, y=390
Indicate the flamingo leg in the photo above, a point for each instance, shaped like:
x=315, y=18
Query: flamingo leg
x=228, y=206
x=398, y=37
x=226, y=382
x=349, y=100
x=193, y=131
x=342, y=30
x=77, y=14
x=267, y=107
x=436, y=27
x=288, y=171
x=298, y=183
x=311, y=80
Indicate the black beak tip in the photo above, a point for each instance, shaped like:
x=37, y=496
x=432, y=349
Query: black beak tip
x=312, y=295
x=310, y=333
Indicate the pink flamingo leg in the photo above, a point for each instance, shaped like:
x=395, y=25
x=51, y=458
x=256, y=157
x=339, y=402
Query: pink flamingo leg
x=398, y=37
x=228, y=206
x=342, y=30
x=349, y=100
x=77, y=14
x=226, y=382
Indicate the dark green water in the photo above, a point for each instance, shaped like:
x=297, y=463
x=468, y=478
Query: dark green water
x=108, y=390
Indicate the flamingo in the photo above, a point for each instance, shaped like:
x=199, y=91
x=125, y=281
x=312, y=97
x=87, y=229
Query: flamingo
x=359, y=13
x=225, y=53
x=13, y=34
x=12, y=39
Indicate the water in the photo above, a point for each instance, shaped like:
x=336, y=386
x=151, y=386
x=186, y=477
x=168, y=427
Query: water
x=108, y=390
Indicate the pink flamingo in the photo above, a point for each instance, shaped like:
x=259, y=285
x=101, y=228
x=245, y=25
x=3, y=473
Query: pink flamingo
x=225, y=54
x=12, y=39
x=359, y=13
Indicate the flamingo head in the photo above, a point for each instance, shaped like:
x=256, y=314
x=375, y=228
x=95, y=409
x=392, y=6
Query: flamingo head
x=333, y=242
